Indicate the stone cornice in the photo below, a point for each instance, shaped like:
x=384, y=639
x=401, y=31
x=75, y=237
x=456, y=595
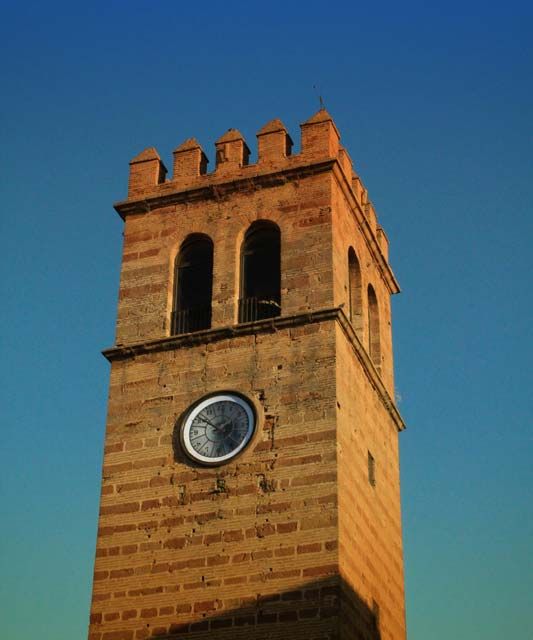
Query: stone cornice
x=368, y=367
x=170, y=343
x=214, y=187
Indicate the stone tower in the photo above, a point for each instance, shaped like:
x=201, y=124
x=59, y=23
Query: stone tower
x=250, y=483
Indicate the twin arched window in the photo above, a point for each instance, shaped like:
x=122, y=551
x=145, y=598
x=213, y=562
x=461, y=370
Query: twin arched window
x=260, y=286
x=355, y=298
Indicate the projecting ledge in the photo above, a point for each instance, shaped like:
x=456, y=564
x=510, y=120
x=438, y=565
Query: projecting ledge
x=213, y=186
x=170, y=343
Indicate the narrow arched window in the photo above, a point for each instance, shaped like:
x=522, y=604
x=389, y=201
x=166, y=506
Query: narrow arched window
x=193, y=285
x=260, y=273
x=354, y=293
x=374, y=348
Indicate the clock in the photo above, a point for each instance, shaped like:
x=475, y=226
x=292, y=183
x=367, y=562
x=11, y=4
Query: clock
x=217, y=428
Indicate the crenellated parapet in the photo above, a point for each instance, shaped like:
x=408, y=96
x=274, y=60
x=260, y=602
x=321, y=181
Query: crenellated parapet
x=146, y=170
x=320, y=136
x=189, y=161
x=232, y=152
x=320, y=148
x=273, y=142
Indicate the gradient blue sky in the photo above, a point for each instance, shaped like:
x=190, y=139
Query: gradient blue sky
x=435, y=105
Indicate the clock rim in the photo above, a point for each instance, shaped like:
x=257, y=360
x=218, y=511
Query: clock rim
x=186, y=422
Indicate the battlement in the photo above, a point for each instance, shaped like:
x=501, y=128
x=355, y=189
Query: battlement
x=320, y=141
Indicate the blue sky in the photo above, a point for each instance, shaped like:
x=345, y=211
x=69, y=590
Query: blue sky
x=435, y=105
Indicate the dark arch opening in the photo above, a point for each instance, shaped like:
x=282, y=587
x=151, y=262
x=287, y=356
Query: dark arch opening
x=354, y=293
x=374, y=348
x=193, y=285
x=260, y=272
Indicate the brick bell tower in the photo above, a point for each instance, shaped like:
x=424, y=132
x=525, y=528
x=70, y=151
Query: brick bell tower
x=250, y=484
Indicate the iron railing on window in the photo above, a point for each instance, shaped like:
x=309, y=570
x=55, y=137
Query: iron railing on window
x=251, y=309
x=192, y=319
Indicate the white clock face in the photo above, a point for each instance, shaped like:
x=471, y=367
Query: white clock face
x=218, y=428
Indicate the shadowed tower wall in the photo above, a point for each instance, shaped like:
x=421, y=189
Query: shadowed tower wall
x=300, y=535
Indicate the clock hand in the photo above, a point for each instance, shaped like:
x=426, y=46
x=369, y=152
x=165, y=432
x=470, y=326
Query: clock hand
x=210, y=423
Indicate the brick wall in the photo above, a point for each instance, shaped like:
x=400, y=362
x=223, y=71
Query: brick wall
x=178, y=543
x=370, y=541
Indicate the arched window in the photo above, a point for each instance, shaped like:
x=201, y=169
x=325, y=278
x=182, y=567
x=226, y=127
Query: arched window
x=374, y=348
x=193, y=285
x=354, y=293
x=260, y=273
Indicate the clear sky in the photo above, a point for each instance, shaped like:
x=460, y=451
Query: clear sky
x=435, y=105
